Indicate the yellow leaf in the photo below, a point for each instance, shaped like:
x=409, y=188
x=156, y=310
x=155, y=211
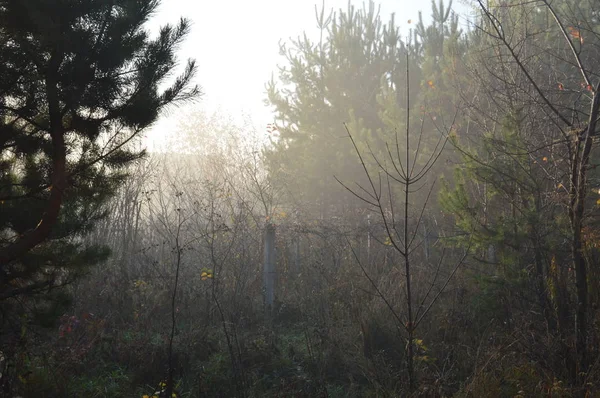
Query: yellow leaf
x=598, y=202
x=203, y=274
x=545, y=159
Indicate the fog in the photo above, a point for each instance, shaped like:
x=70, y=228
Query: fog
x=236, y=44
x=297, y=199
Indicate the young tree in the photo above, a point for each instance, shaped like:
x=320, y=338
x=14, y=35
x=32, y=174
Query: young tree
x=336, y=79
x=390, y=195
x=79, y=81
x=534, y=101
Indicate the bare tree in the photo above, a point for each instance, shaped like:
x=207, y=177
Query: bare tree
x=392, y=183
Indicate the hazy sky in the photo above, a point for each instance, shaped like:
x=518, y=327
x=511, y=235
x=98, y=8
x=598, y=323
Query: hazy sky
x=235, y=44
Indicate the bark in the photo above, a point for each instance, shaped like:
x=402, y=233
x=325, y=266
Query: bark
x=59, y=153
x=577, y=213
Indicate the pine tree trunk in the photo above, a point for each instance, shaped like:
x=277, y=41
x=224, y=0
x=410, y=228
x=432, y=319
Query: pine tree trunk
x=58, y=179
x=577, y=213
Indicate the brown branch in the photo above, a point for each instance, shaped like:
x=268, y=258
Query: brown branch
x=59, y=153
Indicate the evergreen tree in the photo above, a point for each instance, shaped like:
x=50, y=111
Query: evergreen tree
x=356, y=74
x=79, y=81
x=533, y=115
x=436, y=50
x=325, y=84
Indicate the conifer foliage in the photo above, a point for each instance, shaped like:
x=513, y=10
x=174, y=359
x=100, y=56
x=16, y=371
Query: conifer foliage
x=79, y=81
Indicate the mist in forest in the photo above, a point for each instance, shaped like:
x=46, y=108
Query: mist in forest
x=298, y=199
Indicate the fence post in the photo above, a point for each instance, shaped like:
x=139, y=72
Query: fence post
x=426, y=241
x=297, y=254
x=269, y=269
x=368, y=239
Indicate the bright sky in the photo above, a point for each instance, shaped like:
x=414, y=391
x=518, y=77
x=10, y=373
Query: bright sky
x=235, y=44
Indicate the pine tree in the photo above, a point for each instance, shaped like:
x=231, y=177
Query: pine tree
x=531, y=66
x=79, y=82
x=325, y=84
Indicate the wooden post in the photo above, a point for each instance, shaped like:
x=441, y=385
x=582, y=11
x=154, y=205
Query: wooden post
x=426, y=241
x=368, y=239
x=269, y=270
x=491, y=253
x=297, y=255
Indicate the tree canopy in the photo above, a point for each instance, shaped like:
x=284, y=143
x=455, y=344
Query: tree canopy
x=79, y=81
